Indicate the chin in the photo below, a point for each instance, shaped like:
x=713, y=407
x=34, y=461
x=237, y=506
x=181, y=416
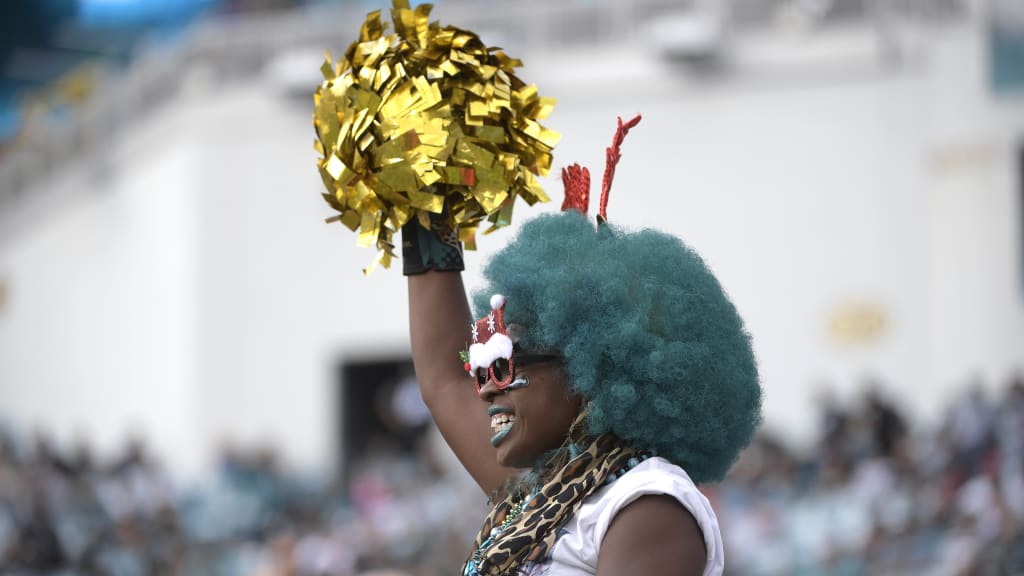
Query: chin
x=509, y=459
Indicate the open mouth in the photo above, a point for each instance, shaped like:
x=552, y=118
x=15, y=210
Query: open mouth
x=502, y=421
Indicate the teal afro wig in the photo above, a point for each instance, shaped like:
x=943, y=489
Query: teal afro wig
x=649, y=337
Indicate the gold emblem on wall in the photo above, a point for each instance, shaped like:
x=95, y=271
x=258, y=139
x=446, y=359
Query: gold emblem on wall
x=857, y=323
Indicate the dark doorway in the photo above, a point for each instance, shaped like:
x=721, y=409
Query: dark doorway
x=381, y=411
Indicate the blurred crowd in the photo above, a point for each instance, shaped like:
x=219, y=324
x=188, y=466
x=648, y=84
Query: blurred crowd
x=875, y=495
x=63, y=513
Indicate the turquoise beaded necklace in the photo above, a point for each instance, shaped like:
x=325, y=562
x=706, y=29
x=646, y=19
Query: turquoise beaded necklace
x=630, y=464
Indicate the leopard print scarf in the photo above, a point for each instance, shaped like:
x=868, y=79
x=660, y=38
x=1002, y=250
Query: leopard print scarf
x=528, y=521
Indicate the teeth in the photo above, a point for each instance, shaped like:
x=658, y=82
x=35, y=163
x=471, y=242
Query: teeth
x=501, y=421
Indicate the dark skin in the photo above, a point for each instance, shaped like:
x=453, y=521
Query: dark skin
x=439, y=327
x=654, y=535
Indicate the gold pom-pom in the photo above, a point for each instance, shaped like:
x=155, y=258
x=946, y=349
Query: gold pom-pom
x=428, y=116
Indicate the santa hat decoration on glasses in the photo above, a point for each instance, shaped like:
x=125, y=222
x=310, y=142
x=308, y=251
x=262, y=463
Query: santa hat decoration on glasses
x=491, y=353
x=495, y=353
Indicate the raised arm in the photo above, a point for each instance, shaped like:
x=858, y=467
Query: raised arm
x=439, y=326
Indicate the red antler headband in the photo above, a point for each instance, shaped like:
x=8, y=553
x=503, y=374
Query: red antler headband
x=576, y=179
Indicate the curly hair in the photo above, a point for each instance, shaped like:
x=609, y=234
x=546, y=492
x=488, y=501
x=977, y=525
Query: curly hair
x=649, y=337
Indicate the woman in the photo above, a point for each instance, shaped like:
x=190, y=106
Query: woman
x=612, y=367
x=607, y=372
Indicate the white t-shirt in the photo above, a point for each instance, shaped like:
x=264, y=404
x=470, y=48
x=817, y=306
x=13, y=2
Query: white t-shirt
x=579, y=541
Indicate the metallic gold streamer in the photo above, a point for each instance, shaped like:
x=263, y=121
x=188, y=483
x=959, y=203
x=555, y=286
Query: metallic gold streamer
x=429, y=116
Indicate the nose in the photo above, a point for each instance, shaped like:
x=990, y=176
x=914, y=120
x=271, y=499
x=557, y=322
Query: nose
x=489, y=390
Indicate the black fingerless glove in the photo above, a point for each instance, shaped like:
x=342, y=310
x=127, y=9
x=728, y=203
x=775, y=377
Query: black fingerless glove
x=435, y=249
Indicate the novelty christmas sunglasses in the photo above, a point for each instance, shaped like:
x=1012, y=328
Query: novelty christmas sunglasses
x=503, y=370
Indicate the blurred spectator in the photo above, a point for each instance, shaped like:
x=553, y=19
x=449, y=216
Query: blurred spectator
x=833, y=439
x=1010, y=439
x=887, y=424
x=971, y=430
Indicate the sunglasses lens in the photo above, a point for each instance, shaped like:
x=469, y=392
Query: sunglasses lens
x=500, y=369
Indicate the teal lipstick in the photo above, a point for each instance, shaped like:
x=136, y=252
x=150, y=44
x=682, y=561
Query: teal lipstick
x=497, y=438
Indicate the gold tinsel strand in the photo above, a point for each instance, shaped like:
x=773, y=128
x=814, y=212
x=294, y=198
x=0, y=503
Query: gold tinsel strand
x=429, y=115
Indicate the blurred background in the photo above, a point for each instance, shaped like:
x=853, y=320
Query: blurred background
x=196, y=378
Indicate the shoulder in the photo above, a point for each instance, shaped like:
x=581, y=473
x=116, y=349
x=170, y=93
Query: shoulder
x=654, y=503
x=654, y=534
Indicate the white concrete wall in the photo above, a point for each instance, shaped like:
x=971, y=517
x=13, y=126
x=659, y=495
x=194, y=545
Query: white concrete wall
x=973, y=190
x=195, y=294
x=97, y=337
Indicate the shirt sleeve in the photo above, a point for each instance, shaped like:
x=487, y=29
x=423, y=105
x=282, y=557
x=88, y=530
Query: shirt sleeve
x=654, y=476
